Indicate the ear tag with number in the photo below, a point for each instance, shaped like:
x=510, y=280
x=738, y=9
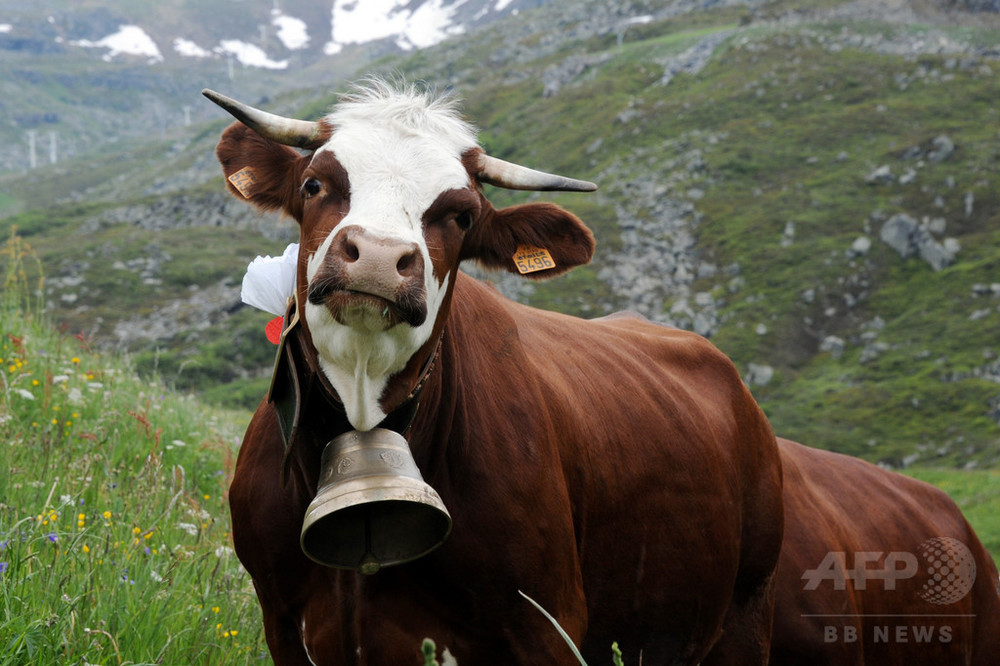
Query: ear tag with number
x=530, y=259
x=244, y=180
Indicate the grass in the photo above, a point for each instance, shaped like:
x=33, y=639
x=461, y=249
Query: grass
x=977, y=495
x=115, y=543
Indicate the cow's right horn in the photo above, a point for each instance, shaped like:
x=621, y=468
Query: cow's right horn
x=372, y=507
x=501, y=173
x=288, y=131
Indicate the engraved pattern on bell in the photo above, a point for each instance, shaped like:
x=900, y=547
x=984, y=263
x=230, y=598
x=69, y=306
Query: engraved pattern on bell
x=393, y=459
x=345, y=465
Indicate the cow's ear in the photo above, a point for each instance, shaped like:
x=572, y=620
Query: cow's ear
x=260, y=171
x=538, y=240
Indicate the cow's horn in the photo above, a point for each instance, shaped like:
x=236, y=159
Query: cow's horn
x=512, y=176
x=288, y=131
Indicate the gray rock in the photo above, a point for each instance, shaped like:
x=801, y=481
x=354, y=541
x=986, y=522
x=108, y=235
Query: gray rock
x=860, y=246
x=897, y=233
x=934, y=253
x=834, y=345
x=880, y=176
x=943, y=148
x=908, y=238
x=759, y=374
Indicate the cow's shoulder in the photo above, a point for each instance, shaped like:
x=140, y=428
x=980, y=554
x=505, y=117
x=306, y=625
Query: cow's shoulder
x=266, y=510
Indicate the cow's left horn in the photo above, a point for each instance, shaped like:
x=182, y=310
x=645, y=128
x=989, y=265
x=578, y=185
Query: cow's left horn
x=288, y=131
x=512, y=176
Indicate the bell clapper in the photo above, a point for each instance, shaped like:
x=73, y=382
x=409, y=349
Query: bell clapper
x=369, y=563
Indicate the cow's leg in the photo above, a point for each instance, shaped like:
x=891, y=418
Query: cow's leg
x=284, y=639
x=746, y=631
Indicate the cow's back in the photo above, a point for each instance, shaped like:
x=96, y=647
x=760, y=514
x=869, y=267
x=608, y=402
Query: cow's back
x=839, y=504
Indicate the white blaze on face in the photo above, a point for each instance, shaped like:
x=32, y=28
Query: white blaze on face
x=399, y=156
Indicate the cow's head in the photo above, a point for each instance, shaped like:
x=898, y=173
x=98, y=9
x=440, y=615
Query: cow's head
x=386, y=192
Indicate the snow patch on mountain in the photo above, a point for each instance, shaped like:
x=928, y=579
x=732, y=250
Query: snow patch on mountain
x=353, y=22
x=249, y=54
x=129, y=40
x=292, y=31
x=189, y=49
x=409, y=24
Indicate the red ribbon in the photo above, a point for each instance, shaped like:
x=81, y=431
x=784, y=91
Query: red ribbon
x=273, y=330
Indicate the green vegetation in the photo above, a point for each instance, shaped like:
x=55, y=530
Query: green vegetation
x=787, y=118
x=977, y=495
x=115, y=542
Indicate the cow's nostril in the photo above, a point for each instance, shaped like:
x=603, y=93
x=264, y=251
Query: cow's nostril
x=406, y=262
x=351, y=252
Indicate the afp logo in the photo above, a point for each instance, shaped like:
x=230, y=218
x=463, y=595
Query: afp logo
x=948, y=563
x=951, y=570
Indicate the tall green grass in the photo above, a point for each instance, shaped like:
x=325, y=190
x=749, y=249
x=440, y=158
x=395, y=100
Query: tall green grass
x=115, y=540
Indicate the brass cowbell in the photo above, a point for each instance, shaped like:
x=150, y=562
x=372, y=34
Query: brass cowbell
x=372, y=508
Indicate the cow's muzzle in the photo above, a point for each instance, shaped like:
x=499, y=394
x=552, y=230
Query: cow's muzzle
x=369, y=281
x=373, y=508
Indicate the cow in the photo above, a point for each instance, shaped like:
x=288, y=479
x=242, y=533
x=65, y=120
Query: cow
x=878, y=568
x=617, y=472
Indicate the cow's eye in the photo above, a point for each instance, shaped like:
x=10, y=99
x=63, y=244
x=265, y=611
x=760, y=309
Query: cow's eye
x=311, y=187
x=464, y=220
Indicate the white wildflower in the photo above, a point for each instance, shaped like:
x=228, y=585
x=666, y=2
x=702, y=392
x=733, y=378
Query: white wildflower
x=189, y=528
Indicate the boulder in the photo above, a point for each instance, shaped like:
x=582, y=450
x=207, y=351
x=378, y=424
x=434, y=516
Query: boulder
x=910, y=239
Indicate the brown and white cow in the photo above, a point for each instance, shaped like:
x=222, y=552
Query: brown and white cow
x=617, y=472
x=878, y=568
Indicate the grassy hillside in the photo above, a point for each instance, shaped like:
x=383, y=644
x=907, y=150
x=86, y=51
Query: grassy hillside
x=115, y=541
x=733, y=155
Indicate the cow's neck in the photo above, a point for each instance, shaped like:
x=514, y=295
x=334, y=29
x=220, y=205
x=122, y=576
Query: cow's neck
x=311, y=413
x=368, y=370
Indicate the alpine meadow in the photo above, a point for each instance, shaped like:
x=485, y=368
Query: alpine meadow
x=813, y=186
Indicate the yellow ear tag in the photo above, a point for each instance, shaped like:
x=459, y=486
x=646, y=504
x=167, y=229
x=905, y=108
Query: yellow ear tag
x=244, y=180
x=530, y=259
